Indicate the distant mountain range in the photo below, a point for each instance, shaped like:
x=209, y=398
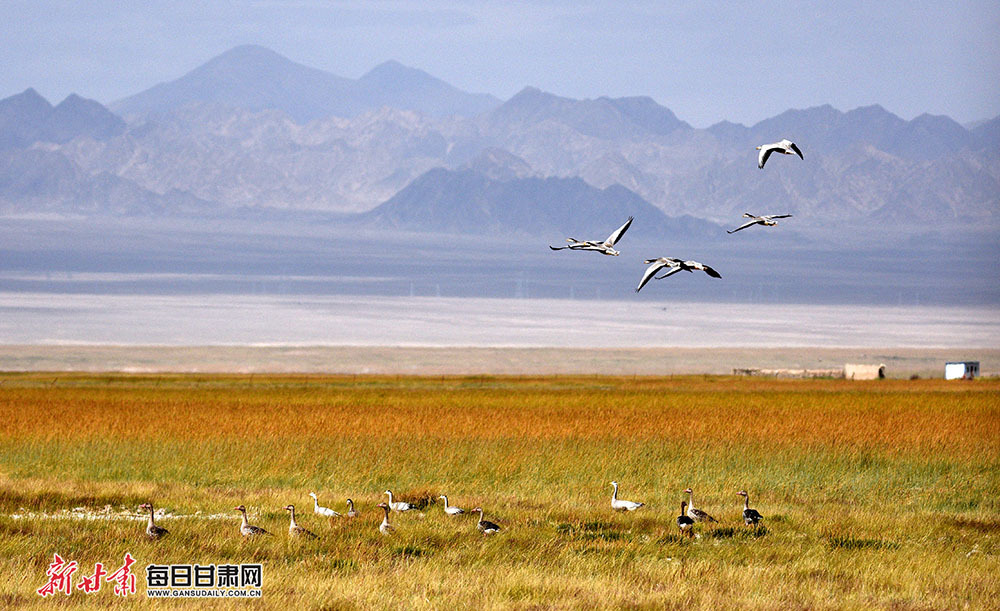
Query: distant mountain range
x=253, y=130
x=255, y=78
x=27, y=118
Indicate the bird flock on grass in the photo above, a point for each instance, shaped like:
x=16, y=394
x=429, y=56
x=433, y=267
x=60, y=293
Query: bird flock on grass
x=690, y=515
x=672, y=265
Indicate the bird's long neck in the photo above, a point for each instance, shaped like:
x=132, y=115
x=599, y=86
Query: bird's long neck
x=350, y=505
x=614, y=493
x=746, y=501
x=445, y=502
x=315, y=503
x=246, y=522
x=292, y=512
x=480, y=517
x=390, y=496
x=151, y=516
x=691, y=499
x=385, y=520
x=683, y=507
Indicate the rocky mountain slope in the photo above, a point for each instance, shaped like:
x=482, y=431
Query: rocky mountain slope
x=277, y=135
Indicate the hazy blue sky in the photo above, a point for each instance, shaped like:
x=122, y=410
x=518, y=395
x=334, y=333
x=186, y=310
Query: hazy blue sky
x=707, y=61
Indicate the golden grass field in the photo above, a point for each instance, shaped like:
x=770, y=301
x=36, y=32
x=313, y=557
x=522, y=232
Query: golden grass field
x=874, y=494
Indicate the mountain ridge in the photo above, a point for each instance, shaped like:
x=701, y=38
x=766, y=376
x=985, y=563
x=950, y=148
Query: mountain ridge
x=255, y=78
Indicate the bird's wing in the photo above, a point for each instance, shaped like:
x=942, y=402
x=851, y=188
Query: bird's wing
x=617, y=235
x=670, y=273
x=743, y=226
x=792, y=146
x=711, y=272
x=558, y=247
x=701, y=266
x=703, y=515
x=778, y=216
x=762, y=156
x=649, y=273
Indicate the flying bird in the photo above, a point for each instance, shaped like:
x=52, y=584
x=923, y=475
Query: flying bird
x=675, y=265
x=767, y=220
x=785, y=147
x=605, y=248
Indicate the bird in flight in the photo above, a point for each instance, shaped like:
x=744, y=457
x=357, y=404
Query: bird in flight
x=785, y=147
x=675, y=265
x=766, y=220
x=605, y=248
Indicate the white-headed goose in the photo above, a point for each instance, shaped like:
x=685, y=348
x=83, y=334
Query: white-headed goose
x=320, y=510
x=785, y=147
x=485, y=526
x=750, y=516
x=294, y=529
x=675, y=265
x=450, y=509
x=767, y=220
x=245, y=527
x=620, y=505
x=605, y=248
x=385, y=527
x=685, y=523
x=696, y=514
x=152, y=530
x=398, y=505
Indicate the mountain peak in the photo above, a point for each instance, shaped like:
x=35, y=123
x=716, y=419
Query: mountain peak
x=389, y=66
x=27, y=99
x=249, y=51
x=256, y=78
x=499, y=164
x=392, y=74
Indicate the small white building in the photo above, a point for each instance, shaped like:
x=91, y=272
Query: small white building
x=961, y=370
x=855, y=371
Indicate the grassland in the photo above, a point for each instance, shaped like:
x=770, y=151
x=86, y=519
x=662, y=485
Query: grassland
x=875, y=495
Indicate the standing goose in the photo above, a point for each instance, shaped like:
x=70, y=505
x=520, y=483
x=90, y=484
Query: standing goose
x=323, y=511
x=767, y=220
x=152, y=530
x=385, y=527
x=785, y=147
x=450, y=510
x=684, y=523
x=696, y=514
x=605, y=248
x=398, y=505
x=675, y=265
x=294, y=529
x=619, y=505
x=351, y=511
x=485, y=526
x=750, y=516
x=246, y=529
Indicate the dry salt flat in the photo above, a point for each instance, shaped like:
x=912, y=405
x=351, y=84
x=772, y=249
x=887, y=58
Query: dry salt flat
x=250, y=320
x=431, y=336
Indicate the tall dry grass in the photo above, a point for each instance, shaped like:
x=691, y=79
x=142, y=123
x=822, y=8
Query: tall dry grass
x=878, y=494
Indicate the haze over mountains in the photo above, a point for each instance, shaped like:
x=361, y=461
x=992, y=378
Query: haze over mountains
x=252, y=130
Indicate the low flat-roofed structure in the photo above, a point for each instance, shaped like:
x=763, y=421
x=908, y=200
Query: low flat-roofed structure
x=862, y=371
x=961, y=370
